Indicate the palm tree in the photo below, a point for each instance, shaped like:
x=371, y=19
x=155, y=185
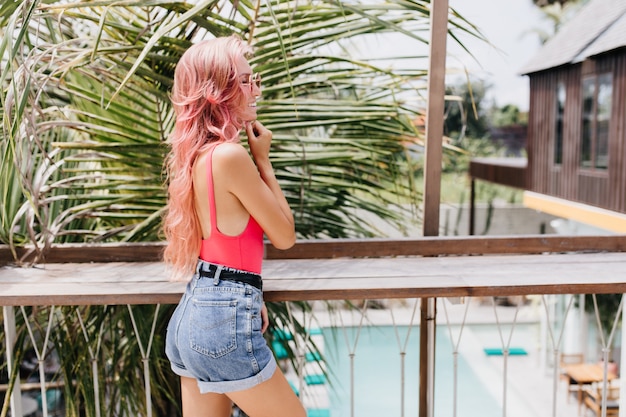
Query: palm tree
x=86, y=111
x=85, y=115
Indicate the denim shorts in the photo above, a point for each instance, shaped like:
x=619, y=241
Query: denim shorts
x=214, y=335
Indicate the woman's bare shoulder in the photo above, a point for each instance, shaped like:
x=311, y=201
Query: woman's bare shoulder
x=224, y=153
x=231, y=155
x=230, y=150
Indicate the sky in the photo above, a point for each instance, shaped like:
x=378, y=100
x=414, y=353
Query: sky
x=506, y=25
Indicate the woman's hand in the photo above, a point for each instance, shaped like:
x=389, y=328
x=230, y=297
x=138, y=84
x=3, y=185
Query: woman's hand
x=264, y=319
x=265, y=202
x=259, y=139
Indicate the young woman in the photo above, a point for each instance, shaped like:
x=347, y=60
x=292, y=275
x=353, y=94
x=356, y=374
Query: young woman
x=221, y=203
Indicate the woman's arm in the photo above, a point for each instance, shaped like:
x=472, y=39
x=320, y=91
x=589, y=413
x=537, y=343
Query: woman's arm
x=254, y=184
x=259, y=139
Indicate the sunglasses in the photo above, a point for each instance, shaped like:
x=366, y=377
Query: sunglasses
x=251, y=79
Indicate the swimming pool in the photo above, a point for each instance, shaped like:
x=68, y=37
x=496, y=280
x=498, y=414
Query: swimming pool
x=377, y=372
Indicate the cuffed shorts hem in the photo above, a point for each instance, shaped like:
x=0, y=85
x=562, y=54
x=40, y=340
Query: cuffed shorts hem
x=222, y=387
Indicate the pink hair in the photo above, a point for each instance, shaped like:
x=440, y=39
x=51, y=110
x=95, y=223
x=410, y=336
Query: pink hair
x=205, y=96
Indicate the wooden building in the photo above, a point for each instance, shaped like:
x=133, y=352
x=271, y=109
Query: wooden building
x=576, y=144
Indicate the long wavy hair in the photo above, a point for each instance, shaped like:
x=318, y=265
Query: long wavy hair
x=205, y=97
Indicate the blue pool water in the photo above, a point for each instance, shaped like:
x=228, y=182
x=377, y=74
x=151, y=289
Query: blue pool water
x=377, y=375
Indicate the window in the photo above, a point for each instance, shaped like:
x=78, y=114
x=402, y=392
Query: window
x=558, y=134
x=594, y=146
x=603, y=116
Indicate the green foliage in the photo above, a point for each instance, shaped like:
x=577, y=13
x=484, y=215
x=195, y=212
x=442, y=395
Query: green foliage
x=468, y=115
x=99, y=345
x=607, y=307
x=86, y=112
x=465, y=112
x=508, y=115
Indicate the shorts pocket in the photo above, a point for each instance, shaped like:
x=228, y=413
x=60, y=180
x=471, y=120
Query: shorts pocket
x=257, y=320
x=213, y=327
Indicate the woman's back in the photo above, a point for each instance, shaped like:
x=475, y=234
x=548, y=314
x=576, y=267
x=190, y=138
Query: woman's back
x=231, y=236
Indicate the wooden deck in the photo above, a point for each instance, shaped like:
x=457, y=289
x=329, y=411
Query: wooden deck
x=328, y=279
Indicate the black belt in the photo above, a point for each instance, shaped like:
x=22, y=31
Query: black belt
x=227, y=275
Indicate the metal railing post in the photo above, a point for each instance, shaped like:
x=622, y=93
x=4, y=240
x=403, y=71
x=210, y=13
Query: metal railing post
x=9, y=338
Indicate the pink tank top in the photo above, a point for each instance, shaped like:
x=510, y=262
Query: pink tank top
x=244, y=251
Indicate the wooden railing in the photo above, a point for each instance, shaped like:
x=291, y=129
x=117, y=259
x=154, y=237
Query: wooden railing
x=423, y=268
x=336, y=269
x=338, y=248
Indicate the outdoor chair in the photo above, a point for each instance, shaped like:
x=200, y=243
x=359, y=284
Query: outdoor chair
x=593, y=399
x=570, y=359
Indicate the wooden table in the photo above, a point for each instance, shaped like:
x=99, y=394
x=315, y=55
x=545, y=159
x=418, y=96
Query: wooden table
x=585, y=374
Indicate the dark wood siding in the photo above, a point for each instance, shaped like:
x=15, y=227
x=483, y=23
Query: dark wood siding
x=571, y=130
x=618, y=126
x=603, y=188
x=545, y=176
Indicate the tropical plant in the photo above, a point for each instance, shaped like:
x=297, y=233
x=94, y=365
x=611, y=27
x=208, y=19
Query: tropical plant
x=604, y=310
x=86, y=112
x=85, y=117
x=466, y=115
